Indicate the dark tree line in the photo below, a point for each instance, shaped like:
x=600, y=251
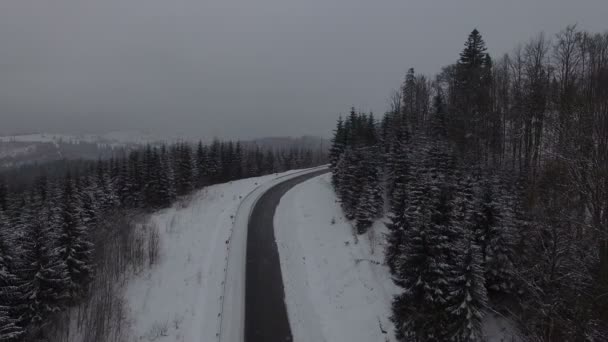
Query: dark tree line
x=47, y=227
x=356, y=175
x=495, y=176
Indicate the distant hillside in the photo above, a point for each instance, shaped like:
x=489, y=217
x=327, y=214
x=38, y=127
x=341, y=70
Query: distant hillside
x=305, y=141
x=17, y=150
x=22, y=149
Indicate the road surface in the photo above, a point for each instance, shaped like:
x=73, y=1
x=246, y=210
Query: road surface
x=265, y=312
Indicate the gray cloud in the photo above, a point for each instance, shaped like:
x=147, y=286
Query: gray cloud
x=239, y=68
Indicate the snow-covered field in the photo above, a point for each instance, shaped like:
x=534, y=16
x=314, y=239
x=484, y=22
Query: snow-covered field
x=336, y=286
x=180, y=298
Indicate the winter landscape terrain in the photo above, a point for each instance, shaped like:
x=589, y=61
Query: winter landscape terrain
x=303, y=171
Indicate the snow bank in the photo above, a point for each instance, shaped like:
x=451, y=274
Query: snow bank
x=197, y=288
x=336, y=287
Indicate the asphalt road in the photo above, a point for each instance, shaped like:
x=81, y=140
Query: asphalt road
x=265, y=312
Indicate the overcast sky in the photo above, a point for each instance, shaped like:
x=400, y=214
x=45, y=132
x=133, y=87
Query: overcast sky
x=239, y=68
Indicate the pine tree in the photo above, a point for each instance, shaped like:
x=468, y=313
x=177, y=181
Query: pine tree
x=350, y=183
x=468, y=293
x=166, y=192
x=370, y=201
x=409, y=100
x=237, y=162
x=399, y=205
x=44, y=275
x=492, y=233
x=201, y=165
x=183, y=168
x=214, y=163
x=338, y=145
x=74, y=247
x=269, y=163
x=10, y=295
x=472, y=95
x=438, y=124
x=3, y=194
x=426, y=272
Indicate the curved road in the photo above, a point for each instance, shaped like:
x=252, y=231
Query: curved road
x=265, y=312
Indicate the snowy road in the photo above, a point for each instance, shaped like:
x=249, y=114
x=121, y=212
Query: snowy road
x=265, y=313
x=196, y=292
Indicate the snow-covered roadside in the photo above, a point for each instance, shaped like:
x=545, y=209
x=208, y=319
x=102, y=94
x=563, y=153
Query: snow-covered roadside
x=180, y=298
x=336, y=286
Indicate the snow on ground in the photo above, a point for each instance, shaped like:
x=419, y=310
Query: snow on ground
x=336, y=286
x=179, y=298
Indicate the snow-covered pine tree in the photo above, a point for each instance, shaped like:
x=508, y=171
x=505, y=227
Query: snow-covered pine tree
x=237, y=162
x=396, y=161
x=402, y=184
x=338, y=145
x=200, y=165
x=168, y=192
x=10, y=294
x=106, y=197
x=150, y=194
x=492, y=232
x=74, y=247
x=468, y=293
x=3, y=194
x=184, y=169
x=269, y=163
x=350, y=182
x=227, y=152
x=43, y=274
x=438, y=121
x=214, y=162
x=409, y=99
x=425, y=271
x=370, y=203
x=9, y=328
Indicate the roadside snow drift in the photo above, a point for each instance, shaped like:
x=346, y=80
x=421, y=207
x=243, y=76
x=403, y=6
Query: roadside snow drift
x=336, y=286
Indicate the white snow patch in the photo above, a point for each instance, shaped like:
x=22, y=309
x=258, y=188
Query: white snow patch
x=499, y=329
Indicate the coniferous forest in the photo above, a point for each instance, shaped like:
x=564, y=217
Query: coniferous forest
x=494, y=177
x=55, y=226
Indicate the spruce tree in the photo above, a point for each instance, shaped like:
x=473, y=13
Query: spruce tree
x=200, y=165
x=74, y=247
x=214, y=163
x=10, y=292
x=492, y=233
x=438, y=122
x=399, y=204
x=370, y=202
x=426, y=272
x=237, y=162
x=468, y=293
x=338, y=145
x=409, y=100
x=44, y=275
x=3, y=194
x=269, y=162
